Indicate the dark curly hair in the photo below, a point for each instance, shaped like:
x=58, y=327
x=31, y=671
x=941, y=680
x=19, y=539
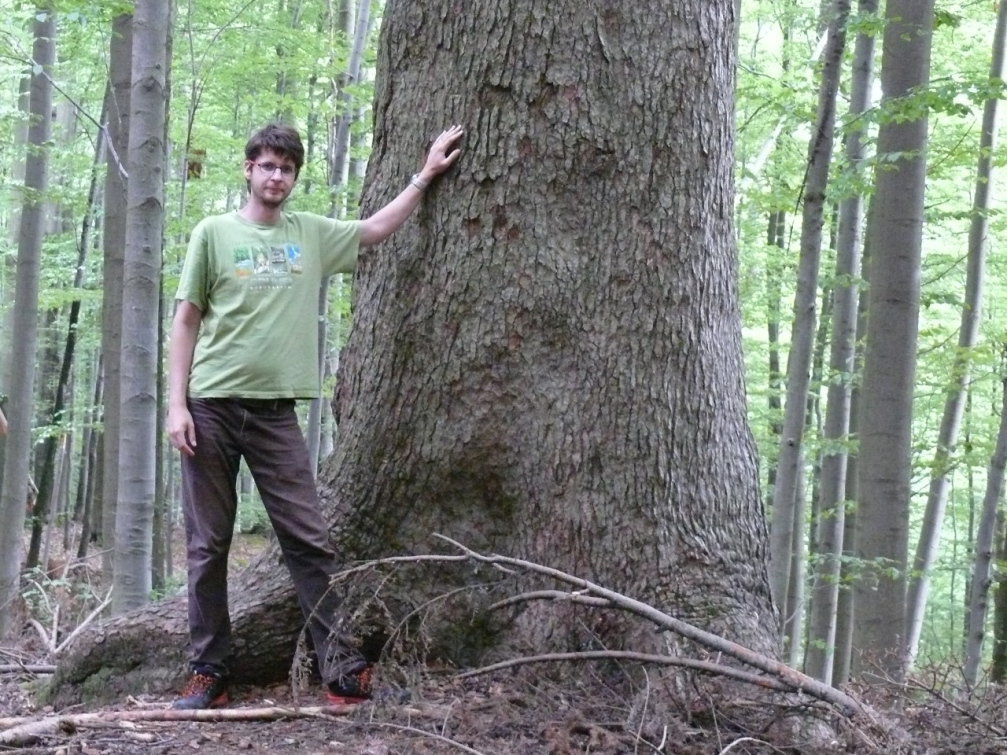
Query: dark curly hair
x=280, y=138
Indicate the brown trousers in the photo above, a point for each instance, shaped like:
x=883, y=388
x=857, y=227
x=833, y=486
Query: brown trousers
x=266, y=434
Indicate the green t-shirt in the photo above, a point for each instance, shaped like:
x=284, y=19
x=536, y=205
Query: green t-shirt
x=257, y=286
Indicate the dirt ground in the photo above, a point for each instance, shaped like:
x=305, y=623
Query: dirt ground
x=481, y=716
x=540, y=709
x=503, y=715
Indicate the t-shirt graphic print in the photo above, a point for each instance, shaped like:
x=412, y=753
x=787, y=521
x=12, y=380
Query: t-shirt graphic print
x=275, y=263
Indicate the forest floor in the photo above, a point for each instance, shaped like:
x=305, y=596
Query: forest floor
x=503, y=714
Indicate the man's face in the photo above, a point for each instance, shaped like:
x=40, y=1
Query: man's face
x=270, y=178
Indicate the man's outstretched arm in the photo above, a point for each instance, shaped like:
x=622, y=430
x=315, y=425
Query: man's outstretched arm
x=388, y=219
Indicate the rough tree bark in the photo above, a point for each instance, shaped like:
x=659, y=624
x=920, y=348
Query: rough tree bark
x=546, y=362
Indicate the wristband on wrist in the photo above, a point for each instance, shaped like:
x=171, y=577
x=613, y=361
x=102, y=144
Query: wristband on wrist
x=418, y=182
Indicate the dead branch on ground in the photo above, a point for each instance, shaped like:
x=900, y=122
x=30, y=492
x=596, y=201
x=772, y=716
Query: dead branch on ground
x=26, y=731
x=26, y=668
x=627, y=655
x=780, y=671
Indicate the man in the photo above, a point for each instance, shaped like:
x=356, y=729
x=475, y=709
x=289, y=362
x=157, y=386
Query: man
x=243, y=348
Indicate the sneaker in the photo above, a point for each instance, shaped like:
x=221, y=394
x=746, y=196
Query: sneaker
x=351, y=689
x=203, y=690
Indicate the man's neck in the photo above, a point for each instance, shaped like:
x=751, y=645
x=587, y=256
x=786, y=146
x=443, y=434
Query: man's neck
x=256, y=212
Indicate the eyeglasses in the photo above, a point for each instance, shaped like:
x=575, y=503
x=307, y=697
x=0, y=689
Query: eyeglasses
x=270, y=168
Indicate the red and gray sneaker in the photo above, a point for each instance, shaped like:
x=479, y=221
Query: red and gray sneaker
x=351, y=689
x=203, y=690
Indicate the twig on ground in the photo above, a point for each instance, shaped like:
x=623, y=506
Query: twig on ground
x=47, y=643
x=80, y=627
x=430, y=734
x=24, y=668
x=746, y=739
x=627, y=655
x=848, y=705
x=25, y=731
x=963, y=710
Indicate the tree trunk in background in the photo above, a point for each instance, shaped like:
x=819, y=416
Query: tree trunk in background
x=895, y=230
x=114, y=237
x=90, y=464
x=25, y=322
x=961, y=371
x=832, y=521
x=158, y=546
x=786, y=508
x=546, y=360
x=774, y=237
x=357, y=27
x=47, y=477
x=804, y=538
x=140, y=312
x=846, y=605
x=998, y=668
x=8, y=262
x=984, y=551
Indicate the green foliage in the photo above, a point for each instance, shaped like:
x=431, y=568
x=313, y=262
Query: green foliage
x=775, y=99
x=237, y=64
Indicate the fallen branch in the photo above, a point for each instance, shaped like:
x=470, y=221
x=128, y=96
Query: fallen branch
x=21, y=668
x=83, y=625
x=627, y=655
x=31, y=731
x=795, y=679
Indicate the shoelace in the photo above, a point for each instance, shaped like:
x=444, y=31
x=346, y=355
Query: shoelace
x=363, y=678
x=198, y=684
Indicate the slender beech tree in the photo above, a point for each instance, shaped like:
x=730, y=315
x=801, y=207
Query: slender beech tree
x=998, y=665
x=787, y=509
x=8, y=262
x=25, y=321
x=546, y=360
x=357, y=27
x=47, y=478
x=961, y=370
x=895, y=231
x=846, y=287
x=114, y=242
x=775, y=237
x=845, y=607
x=140, y=296
x=981, y=579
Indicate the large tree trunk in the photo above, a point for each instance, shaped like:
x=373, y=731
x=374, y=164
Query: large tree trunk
x=546, y=362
